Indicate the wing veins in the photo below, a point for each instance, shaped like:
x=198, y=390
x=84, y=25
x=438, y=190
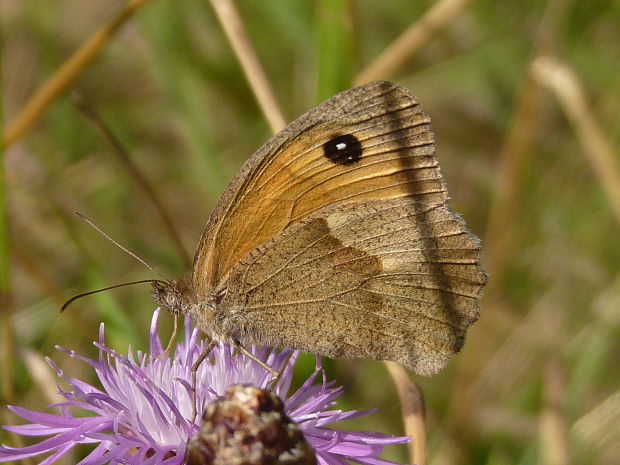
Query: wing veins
x=364, y=166
x=312, y=244
x=431, y=288
x=400, y=273
x=321, y=162
x=315, y=146
x=356, y=243
x=395, y=320
x=369, y=191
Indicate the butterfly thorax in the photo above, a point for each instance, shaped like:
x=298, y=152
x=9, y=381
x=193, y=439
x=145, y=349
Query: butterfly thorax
x=175, y=296
x=179, y=298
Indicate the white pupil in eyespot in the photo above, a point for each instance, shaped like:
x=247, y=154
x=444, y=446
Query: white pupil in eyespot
x=341, y=146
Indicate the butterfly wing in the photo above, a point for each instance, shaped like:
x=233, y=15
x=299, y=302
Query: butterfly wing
x=388, y=279
x=386, y=151
x=335, y=238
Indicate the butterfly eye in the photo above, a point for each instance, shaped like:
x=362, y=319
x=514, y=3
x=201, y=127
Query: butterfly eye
x=343, y=149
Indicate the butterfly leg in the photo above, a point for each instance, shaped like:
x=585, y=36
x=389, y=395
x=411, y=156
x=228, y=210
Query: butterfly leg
x=173, y=337
x=276, y=374
x=195, y=366
x=274, y=382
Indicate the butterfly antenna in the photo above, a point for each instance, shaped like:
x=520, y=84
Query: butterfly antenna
x=124, y=249
x=75, y=297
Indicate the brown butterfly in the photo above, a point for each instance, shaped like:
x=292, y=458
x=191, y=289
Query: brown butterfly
x=336, y=238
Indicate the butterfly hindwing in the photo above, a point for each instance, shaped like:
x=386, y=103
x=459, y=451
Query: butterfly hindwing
x=387, y=279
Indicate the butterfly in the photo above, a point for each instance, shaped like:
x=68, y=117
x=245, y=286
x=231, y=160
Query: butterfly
x=336, y=238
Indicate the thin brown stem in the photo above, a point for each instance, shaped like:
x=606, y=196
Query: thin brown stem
x=599, y=428
x=553, y=429
x=413, y=410
x=513, y=164
x=516, y=154
x=7, y=332
x=135, y=173
x=235, y=31
x=67, y=73
x=514, y=161
x=43, y=378
x=597, y=148
x=7, y=349
x=411, y=41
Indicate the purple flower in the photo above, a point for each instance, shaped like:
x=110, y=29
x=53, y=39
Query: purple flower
x=143, y=414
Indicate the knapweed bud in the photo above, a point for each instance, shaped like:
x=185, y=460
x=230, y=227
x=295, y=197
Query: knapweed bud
x=248, y=426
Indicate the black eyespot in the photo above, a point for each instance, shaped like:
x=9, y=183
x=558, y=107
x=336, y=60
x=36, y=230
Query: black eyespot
x=343, y=149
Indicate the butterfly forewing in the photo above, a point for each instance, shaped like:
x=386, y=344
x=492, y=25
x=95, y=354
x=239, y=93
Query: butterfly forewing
x=301, y=171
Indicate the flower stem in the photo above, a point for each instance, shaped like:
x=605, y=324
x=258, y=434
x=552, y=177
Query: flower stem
x=66, y=74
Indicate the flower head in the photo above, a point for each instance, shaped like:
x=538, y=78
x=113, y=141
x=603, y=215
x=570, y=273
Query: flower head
x=143, y=413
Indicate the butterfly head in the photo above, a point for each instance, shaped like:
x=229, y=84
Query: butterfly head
x=175, y=296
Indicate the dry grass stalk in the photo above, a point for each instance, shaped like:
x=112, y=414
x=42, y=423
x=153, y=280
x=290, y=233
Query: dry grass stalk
x=552, y=425
x=413, y=410
x=7, y=350
x=518, y=150
x=597, y=148
x=513, y=164
x=600, y=428
x=411, y=41
x=514, y=161
x=67, y=73
x=42, y=375
x=235, y=31
x=135, y=173
x=513, y=361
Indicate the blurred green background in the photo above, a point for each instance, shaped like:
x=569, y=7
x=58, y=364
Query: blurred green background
x=543, y=361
